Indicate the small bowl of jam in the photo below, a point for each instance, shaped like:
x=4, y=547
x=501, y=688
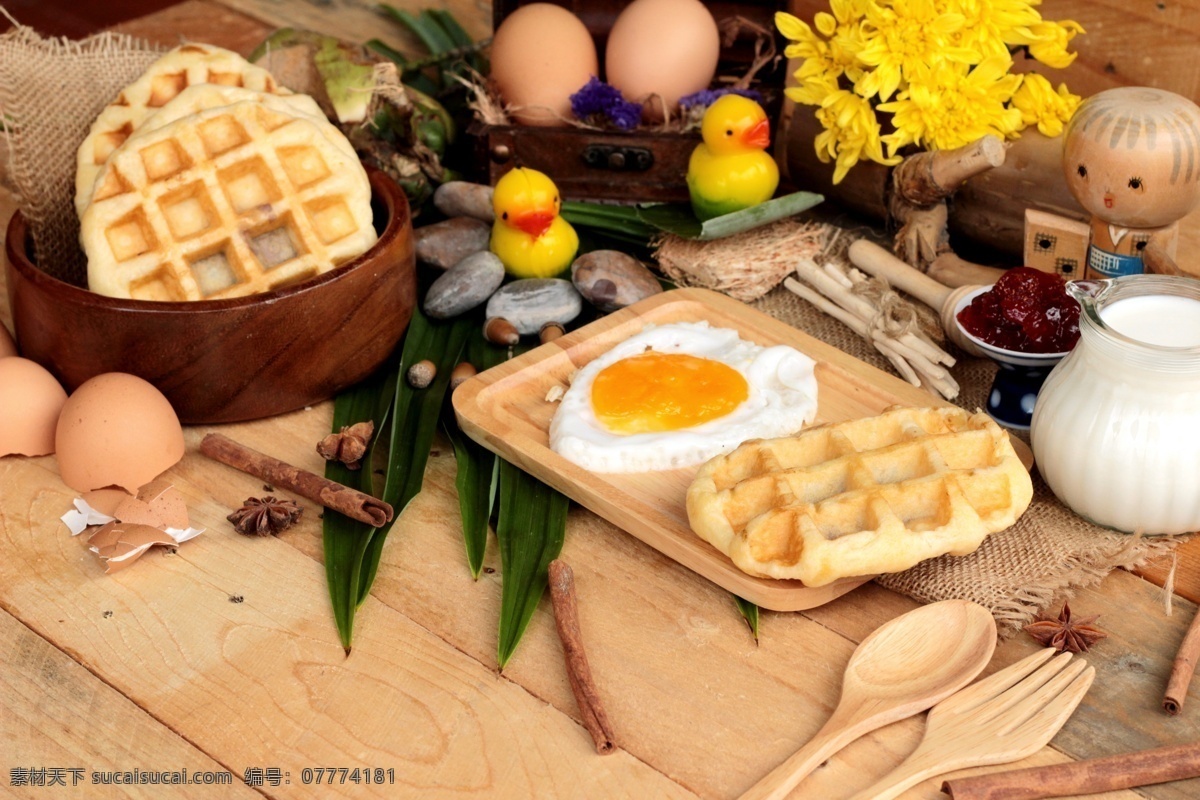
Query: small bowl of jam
x=1026, y=322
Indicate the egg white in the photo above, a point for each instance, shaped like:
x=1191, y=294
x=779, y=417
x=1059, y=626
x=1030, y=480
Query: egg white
x=782, y=399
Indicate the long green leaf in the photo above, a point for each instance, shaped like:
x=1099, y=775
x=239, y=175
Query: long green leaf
x=342, y=536
x=531, y=528
x=415, y=416
x=678, y=218
x=749, y=612
x=478, y=467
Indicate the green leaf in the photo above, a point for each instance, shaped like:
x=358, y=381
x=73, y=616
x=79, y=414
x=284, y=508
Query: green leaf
x=532, y=524
x=678, y=218
x=415, y=414
x=749, y=611
x=344, y=537
x=619, y=222
x=478, y=467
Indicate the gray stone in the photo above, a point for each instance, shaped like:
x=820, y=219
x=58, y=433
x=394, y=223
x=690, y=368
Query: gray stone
x=465, y=199
x=465, y=285
x=610, y=279
x=531, y=303
x=444, y=244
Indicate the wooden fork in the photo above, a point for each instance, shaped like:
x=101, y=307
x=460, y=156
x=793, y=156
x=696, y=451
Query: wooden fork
x=1002, y=718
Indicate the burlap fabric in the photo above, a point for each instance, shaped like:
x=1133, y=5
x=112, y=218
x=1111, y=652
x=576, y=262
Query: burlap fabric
x=52, y=89
x=50, y=92
x=1048, y=555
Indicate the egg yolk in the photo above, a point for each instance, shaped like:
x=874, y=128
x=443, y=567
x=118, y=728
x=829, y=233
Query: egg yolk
x=654, y=392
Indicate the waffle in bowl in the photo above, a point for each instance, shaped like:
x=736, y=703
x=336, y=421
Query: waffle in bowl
x=204, y=96
x=228, y=202
x=186, y=65
x=861, y=497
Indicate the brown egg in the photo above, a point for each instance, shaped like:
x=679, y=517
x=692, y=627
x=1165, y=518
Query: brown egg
x=541, y=55
x=117, y=430
x=7, y=346
x=30, y=402
x=662, y=50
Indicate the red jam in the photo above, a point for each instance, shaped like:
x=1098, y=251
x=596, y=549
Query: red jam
x=1028, y=311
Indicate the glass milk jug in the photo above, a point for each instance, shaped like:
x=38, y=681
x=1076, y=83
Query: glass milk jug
x=1116, y=428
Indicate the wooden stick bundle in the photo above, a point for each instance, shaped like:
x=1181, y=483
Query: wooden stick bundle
x=1124, y=771
x=835, y=292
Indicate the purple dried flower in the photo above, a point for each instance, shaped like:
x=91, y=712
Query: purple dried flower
x=599, y=99
x=706, y=97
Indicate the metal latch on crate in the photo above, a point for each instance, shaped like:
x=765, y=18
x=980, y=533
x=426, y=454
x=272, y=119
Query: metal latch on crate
x=617, y=158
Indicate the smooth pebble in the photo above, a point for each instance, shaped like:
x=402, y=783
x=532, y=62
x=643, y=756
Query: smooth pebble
x=465, y=199
x=610, y=279
x=530, y=303
x=465, y=285
x=444, y=244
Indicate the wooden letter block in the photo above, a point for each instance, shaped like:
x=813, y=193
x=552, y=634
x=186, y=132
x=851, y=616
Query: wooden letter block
x=1056, y=244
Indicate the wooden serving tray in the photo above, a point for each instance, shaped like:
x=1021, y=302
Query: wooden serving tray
x=505, y=409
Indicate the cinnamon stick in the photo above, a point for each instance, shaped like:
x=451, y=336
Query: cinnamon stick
x=566, y=618
x=1124, y=771
x=1182, y=669
x=334, y=496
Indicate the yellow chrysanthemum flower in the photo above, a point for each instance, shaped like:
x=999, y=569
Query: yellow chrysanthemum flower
x=851, y=129
x=1040, y=105
x=903, y=37
x=843, y=29
x=822, y=58
x=951, y=105
x=991, y=26
x=1049, y=42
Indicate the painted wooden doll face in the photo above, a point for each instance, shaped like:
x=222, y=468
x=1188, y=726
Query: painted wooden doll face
x=1131, y=157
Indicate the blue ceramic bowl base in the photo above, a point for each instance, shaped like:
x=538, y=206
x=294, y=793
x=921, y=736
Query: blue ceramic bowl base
x=1010, y=401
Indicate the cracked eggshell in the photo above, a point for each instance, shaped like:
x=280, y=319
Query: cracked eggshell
x=30, y=402
x=117, y=430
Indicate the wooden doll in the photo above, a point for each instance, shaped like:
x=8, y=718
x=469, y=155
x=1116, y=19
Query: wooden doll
x=1131, y=157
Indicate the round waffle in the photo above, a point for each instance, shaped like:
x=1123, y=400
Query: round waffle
x=185, y=66
x=862, y=497
x=204, y=96
x=229, y=202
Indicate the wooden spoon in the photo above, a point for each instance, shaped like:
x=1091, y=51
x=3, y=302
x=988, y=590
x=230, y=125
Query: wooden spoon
x=904, y=667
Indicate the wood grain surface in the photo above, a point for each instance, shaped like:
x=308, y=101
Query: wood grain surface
x=223, y=655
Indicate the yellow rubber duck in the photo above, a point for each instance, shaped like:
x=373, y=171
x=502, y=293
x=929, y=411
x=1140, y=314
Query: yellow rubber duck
x=730, y=170
x=528, y=236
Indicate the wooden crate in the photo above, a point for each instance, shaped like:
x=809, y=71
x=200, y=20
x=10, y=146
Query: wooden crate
x=630, y=166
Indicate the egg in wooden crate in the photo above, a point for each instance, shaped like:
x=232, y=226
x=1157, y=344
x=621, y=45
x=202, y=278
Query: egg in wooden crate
x=660, y=51
x=541, y=55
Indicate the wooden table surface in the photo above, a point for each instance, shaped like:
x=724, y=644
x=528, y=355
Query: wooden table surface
x=222, y=657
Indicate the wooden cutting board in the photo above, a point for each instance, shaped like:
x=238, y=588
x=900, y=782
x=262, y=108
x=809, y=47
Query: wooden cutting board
x=505, y=409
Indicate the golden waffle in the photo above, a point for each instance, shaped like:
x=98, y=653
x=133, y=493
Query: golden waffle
x=228, y=202
x=862, y=497
x=185, y=66
x=204, y=96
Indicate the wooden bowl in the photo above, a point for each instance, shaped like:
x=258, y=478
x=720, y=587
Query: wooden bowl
x=228, y=360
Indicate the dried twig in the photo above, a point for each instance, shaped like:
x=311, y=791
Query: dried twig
x=566, y=617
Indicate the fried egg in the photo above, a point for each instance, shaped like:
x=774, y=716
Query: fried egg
x=676, y=395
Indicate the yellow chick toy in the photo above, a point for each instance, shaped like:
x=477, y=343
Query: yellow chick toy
x=730, y=170
x=529, y=237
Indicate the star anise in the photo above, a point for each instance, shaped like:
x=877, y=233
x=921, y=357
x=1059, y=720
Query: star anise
x=265, y=516
x=348, y=445
x=1064, y=633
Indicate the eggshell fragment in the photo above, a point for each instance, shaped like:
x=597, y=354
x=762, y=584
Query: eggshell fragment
x=30, y=402
x=117, y=430
x=662, y=50
x=541, y=55
x=7, y=346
